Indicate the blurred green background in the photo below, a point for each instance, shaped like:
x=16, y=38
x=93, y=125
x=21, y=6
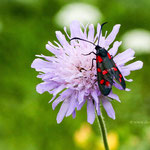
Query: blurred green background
x=27, y=121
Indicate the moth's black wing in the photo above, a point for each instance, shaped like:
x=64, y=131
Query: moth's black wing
x=119, y=78
x=117, y=74
x=105, y=79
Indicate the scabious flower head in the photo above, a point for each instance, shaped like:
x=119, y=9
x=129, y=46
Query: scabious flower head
x=68, y=74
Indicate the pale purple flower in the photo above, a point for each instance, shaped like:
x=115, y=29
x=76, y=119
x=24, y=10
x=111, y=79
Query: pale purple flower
x=62, y=75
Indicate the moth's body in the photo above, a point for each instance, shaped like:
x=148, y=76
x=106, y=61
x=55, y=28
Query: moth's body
x=107, y=71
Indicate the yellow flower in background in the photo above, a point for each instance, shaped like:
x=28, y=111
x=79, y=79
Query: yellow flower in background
x=83, y=135
x=86, y=139
x=113, y=142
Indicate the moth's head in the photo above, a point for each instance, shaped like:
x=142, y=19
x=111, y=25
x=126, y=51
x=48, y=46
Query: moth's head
x=97, y=47
x=101, y=51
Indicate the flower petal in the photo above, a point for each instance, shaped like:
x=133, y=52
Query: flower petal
x=40, y=64
x=111, y=37
x=74, y=114
x=124, y=71
x=114, y=96
x=117, y=85
x=114, y=49
x=108, y=107
x=97, y=102
x=45, y=86
x=46, y=76
x=72, y=105
x=64, y=95
x=65, y=29
x=127, y=89
x=62, y=111
x=134, y=66
x=97, y=105
x=90, y=111
x=47, y=57
x=129, y=80
x=124, y=57
x=52, y=48
x=62, y=39
x=58, y=89
x=52, y=99
x=91, y=33
x=76, y=30
x=85, y=29
x=81, y=96
x=56, y=102
x=79, y=106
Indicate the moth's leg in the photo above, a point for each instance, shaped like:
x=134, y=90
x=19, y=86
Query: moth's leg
x=92, y=63
x=82, y=69
x=89, y=53
x=95, y=81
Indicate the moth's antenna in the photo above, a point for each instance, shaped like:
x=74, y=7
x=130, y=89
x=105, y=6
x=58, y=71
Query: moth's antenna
x=76, y=38
x=100, y=32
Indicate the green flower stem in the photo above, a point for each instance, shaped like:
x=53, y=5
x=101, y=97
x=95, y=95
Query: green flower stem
x=102, y=129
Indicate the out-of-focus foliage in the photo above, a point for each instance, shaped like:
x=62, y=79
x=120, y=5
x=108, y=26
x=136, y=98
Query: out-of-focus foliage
x=27, y=121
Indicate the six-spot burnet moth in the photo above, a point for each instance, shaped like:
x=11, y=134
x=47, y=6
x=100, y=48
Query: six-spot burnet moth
x=106, y=67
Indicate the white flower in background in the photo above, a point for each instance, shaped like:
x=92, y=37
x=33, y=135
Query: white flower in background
x=139, y=39
x=77, y=11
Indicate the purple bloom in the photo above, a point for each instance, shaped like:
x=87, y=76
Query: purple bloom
x=62, y=71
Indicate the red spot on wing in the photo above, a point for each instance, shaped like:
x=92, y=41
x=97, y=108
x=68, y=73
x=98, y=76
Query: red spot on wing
x=107, y=83
x=102, y=81
x=99, y=59
x=120, y=79
x=105, y=72
x=108, y=55
x=115, y=65
x=98, y=70
x=120, y=75
x=115, y=69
